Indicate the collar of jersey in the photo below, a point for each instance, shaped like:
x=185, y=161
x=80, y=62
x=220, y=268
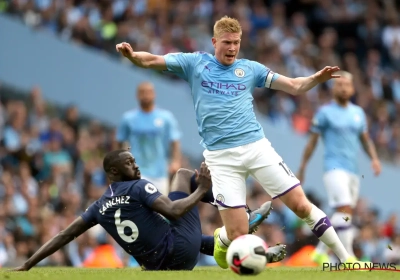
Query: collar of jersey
x=224, y=66
x=337, y=105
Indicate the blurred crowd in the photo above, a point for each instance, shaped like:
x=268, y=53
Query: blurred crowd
x=292, y=37
x=51, y=158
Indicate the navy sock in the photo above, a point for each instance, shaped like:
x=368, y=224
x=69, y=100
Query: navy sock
x=208, y=197
x=207, y=245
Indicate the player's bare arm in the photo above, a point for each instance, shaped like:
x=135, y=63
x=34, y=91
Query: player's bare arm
x=75, y=229
x=369, y=148
x=175, y=209
x=300, y=85
x=308, y=151
x=142, y=59
x=175, y=157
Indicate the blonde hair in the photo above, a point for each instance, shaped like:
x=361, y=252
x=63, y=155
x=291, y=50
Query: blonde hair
x=344, y=74
x=227, y=25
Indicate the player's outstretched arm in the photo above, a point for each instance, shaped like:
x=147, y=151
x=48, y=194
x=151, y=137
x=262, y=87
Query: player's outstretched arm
x=142, y=59
x=308, y=151
x=369, y=148
x=296, y=86
x=75, y=229
x=175, y=209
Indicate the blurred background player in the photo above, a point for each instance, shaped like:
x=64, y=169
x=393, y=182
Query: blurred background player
x=234, y=141
x=342, y=126
x=153, y=136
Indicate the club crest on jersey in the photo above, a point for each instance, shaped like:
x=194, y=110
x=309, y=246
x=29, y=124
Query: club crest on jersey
x=357, y=118
x=239, y=72
x=149, y=188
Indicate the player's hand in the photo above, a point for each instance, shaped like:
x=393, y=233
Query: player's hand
x=326, y=74
x=125, y=49
x=376, y=167
x=203, y=178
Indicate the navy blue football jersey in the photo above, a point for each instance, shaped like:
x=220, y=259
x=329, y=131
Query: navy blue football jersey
x=124, y=211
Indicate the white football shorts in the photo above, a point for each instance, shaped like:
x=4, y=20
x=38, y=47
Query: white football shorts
x=230, y=168
x=343, y=188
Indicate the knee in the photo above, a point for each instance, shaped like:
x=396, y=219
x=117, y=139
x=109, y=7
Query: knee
x=184, y=173
x=237, y=230
x=302, y=208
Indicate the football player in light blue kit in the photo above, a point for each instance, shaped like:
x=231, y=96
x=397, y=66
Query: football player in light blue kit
x=234, y=142
x=153, y=136
x=343, y=127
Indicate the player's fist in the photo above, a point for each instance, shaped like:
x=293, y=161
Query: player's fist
x=376, y=167
x=203, y=178
x=326, y=74
x=125, y=49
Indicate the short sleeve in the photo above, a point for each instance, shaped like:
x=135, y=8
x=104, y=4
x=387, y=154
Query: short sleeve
x=174, y=134
x=180, y=64
x=90, y=215
x=263, y=75
x=318, y=122
x=148, y=193
x=122, y=133
x=364, y=123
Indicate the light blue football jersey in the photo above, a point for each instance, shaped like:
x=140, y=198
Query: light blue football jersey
x=340, y=128
x=222, y=97
x=150, y=136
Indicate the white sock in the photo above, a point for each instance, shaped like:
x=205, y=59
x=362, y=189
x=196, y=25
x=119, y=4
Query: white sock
x=342, y=223
x=321, y=248
x=322, y=228
x=223, y=239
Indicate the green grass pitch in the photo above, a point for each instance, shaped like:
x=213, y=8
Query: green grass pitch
x=200, y=273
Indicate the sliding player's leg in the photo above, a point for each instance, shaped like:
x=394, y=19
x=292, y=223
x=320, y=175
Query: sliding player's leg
x=180, y=186
x=187, y=229
x=189, y=241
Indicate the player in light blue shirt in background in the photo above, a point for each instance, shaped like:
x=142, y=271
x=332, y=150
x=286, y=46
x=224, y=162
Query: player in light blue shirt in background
x=153, y=136
x=234, y=142
x=343, y=127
